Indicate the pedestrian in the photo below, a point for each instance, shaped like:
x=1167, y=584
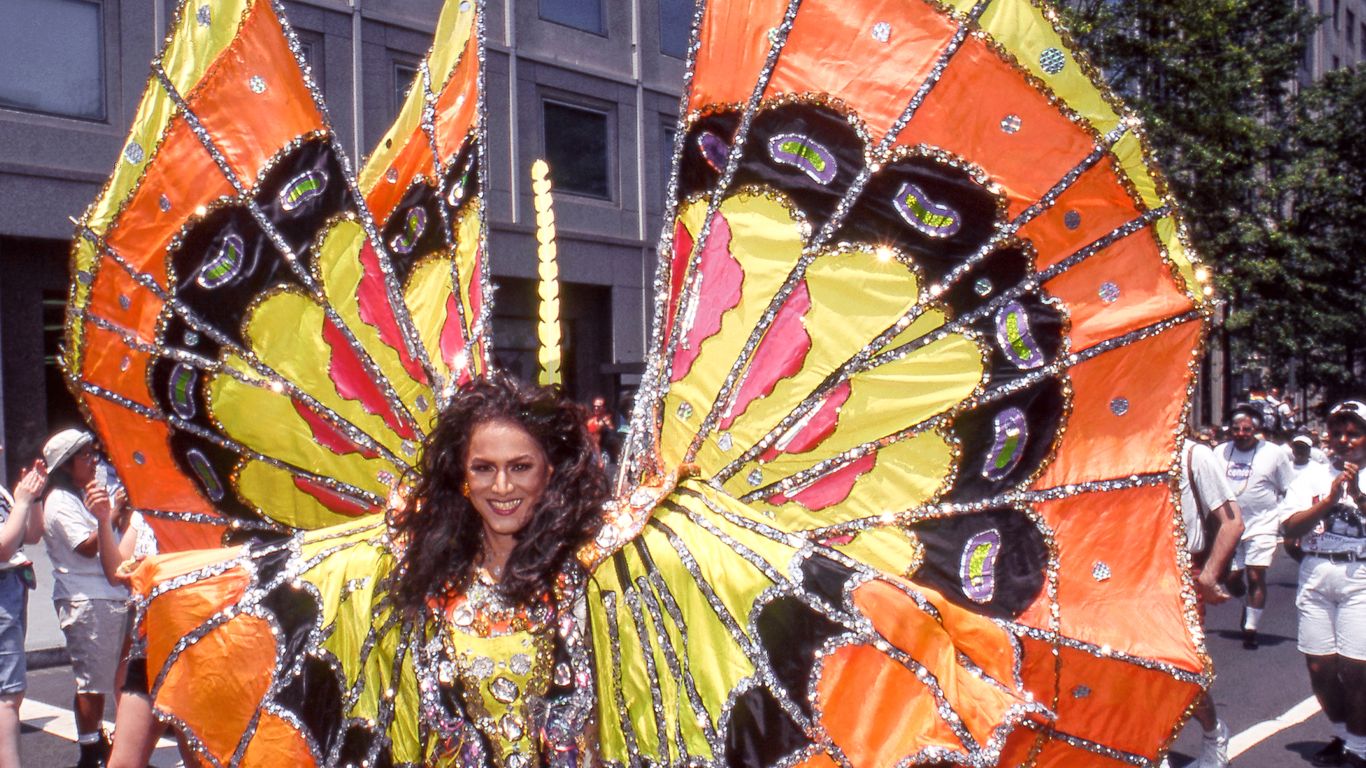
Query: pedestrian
x=91, y=612
x=1325, y=508
x=125, y=541
x=602, y=430
x=20, y=523
x=1304, y=452
x=1214, y=525
x=1259, y=473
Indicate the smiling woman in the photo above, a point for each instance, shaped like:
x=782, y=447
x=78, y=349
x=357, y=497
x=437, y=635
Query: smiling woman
x=507, y=493
x=508, y=486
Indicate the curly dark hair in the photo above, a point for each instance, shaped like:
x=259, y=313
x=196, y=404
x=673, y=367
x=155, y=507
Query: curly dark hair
x=441, y=530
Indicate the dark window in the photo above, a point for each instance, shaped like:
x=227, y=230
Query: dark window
x=675, y=26
x=404, y=72
x=311, y=50
x=666, y=154
x=576, y=141
x=52, y=57
x=1337, y=6
x=1337, y=63
x=580, y=14
x=1351, y=28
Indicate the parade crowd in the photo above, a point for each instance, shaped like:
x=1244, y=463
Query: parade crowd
x=1267, y=484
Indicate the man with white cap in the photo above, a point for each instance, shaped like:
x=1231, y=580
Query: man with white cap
x=90, y=610
x=1326, y=507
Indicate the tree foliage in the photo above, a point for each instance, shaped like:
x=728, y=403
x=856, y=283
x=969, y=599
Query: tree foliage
x=1270, y=182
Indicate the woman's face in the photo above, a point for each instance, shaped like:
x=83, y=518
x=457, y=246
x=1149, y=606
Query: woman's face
x=507, y=471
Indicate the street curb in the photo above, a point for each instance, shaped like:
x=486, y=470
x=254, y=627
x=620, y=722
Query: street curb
x=46, y=658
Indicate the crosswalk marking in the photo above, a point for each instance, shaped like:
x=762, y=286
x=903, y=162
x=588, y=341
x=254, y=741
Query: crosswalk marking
x=1267, y=728
x=60, y=722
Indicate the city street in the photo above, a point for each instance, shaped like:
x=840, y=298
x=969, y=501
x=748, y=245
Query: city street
x=1263, y=695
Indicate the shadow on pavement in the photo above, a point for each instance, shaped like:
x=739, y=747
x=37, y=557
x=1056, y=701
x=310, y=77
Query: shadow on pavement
x=1263, y=638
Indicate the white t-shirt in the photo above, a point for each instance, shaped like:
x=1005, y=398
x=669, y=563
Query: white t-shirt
x=1260, y=478
x=67, y=523
x=18, y=558
x=1198, y=459
x=1342, y=528
x=146, y=545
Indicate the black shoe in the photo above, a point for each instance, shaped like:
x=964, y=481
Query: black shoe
x=1352, y=760
x=1250, y=639
x=92, y=756
x=1331, y=754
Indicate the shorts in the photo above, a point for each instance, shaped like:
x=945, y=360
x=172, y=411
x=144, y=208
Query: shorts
x=13, y=620
x=1254, y=551
x=1332, y=605
x=94, y=632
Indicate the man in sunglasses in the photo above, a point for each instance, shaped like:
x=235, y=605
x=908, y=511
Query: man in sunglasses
x=1259, y=473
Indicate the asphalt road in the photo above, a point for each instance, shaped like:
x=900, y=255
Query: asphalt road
x=1253, y=689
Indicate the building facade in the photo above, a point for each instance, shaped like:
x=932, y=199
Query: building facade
x=591, y=85
x=1339, y=38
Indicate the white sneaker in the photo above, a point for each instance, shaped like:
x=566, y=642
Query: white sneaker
x=1214, y=747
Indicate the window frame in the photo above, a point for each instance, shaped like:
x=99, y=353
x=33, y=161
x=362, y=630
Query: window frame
x=102, y=22
x=609, y=113
x=601, y=31
x=687, y=32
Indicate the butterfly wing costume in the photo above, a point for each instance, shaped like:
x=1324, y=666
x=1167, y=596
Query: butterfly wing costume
x=898, y=489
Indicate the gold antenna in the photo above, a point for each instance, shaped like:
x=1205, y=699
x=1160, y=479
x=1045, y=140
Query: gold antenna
x=548, y=329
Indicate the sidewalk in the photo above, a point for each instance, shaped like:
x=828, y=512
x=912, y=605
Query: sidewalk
x=44, y=642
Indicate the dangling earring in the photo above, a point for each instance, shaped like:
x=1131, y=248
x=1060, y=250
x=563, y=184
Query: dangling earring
x=465, y=489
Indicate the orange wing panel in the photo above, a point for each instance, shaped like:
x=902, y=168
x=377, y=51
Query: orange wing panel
x=113, y=287
x=817, y=57
x=867, y=713
x=168, y=487
x=248, y=124
x=177, y=612
x=220, y=712
x=185, y=177
x=1060, y=754
x=1099, y=441
x=1118, y=578
x=414, y=160
x=276, y=743
x=1098, y=702
x=458, y=105
x=734, y=49
x=104, y=362
x=1122, y=288
x=971, y=112
x=1095, y=205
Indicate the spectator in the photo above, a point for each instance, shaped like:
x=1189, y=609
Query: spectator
x=1303, y=452
x=1259, y=474
x=22, y=522
x=1214, y=525
x=90, y=611
x=1327, y=508
x=125, y=540
x=602, y=429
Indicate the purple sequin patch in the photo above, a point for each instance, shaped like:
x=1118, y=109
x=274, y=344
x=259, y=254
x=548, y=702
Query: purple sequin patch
x=804, y=154
x=1014, y=337
x=714, y=150
x=1008, y=441
x=977, y=569
x=924, y=215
